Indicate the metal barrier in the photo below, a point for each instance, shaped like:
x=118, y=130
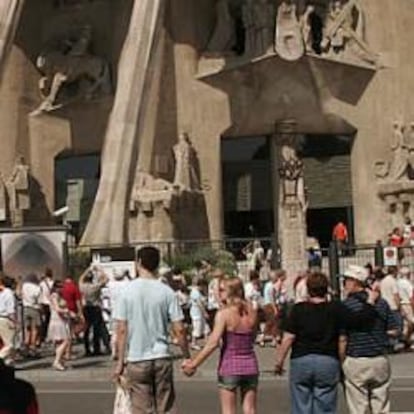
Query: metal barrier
x=181, y=253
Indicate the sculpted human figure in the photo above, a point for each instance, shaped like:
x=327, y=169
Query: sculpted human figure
x=264, y=25
x=292, y=173
x=18, y=191
x=288, y=38
x=223, y=38
x=401, y=153
x=306, y=28
x=249, y=27
x=185, y=173
x=71, y=62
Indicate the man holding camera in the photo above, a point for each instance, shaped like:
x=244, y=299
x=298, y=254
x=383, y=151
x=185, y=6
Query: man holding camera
x=366, y=366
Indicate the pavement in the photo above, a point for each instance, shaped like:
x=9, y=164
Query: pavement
x=86, y=386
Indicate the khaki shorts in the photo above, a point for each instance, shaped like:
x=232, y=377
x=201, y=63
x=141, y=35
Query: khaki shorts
x=152, y=386
x=32, y=317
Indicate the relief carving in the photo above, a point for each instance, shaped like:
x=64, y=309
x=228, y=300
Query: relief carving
x=223, y=38
x=70, y=63
x=18, y=191
x=186, y=176
x=289, y=43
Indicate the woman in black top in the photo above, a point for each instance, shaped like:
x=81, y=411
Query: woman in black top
x=312, y=331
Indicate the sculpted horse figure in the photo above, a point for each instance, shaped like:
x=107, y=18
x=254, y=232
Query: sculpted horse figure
x=60, y=69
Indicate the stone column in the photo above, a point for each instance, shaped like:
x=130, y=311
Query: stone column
x=139, y=60
x=10, y=11
x=290, y=210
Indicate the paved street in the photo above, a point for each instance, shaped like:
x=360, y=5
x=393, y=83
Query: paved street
x=86, y=388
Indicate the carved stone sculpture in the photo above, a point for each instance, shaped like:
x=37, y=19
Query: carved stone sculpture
x=223, y=38
x=289, y=41
x=18, y=191
x=263, y=13
x=69, y=63
x=291, y=174
x=185, y=164
x=401, y=153
x=249, y=27
x=344, y=32
x=305, y=25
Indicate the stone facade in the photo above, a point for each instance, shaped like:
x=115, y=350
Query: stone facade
x=127, y=78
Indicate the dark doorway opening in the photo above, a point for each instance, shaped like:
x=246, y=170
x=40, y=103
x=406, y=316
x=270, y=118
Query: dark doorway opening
x=322, y=221
x=247, y=187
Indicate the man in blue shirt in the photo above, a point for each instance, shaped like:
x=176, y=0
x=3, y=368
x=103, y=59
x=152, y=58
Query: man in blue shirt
x=364, y=349
x=145, y=311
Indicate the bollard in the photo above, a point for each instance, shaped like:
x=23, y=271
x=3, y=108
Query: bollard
x=334, y=266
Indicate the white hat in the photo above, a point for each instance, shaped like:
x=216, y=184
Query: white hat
x=356, y=272
x=164, y=270
x=405, y=271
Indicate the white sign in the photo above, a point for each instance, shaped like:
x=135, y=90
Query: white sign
x=390, y=256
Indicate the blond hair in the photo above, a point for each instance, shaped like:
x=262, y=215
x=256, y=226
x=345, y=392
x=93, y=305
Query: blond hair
x=235, y=294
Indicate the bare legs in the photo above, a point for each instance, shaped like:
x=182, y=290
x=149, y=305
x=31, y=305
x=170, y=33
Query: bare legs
x=61, y=349
x=228, y=400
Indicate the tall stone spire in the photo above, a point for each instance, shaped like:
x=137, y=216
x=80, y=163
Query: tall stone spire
x=139, y=59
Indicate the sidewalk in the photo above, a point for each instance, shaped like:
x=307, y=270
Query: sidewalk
x=98, y=369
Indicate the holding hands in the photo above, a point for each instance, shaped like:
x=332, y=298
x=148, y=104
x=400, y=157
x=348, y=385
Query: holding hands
x=188, y=367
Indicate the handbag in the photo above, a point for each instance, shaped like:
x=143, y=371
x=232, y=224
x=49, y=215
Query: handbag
x=122, y=404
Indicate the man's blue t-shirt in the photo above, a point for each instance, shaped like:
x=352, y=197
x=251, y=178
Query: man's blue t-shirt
x=148, y=306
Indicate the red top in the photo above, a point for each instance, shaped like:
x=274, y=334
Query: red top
x=396, y=240
x=71, y=293
x=340, y=232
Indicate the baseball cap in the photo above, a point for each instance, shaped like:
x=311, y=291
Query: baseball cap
x=356, y=272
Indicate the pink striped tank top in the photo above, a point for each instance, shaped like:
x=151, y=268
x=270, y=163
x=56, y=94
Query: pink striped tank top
x=237, y=356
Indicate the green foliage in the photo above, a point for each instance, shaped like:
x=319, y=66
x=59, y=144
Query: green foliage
x=78, y=260
x=218, y=258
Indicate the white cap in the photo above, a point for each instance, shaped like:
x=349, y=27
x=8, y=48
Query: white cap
x=356, y=272
x=405, y=271
x=164, y=270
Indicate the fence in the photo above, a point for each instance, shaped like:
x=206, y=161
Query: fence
x=184, y=254
x=180, y=253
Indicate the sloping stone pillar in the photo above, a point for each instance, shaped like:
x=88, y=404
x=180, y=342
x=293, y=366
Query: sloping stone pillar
x=10, y=11
x=139, y=59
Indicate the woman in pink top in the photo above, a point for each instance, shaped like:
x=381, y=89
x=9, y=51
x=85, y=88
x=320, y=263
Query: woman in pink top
x=235, y=328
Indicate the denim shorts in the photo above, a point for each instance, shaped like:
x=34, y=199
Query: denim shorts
x=233, y=382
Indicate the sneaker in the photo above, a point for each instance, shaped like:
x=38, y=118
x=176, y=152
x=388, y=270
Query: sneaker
x=196, y=347
x=58, y=366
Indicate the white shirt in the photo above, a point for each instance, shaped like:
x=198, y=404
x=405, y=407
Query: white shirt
x=197, y=300
x=31, y=295
x=389, y=288
x=45, y=290
x=115, y=288
x=213, y=302
x=405, y=290
x=301, y=291
x=7, y=303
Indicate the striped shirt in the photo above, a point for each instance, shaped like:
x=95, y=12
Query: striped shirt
x=371, y=340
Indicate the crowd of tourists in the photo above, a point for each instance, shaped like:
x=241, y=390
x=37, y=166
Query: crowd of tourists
x=328, y=340
x=36, y=313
